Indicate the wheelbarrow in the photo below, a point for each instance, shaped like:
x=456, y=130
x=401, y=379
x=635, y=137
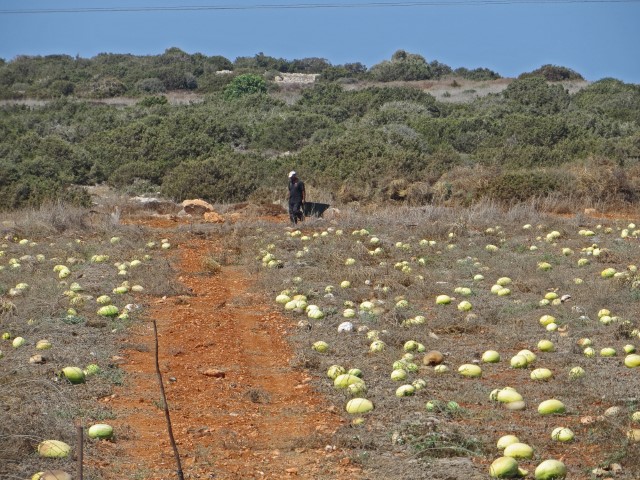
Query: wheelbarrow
x=314, y=209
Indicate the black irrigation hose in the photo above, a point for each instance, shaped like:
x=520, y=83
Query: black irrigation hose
x=166, y=408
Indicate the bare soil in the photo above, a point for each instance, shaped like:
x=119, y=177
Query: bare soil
x=238, y=408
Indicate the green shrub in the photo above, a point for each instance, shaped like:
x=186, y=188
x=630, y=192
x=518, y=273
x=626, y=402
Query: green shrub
x=553, y=73
x=61, y=88
x=523, y=185
x=153, y=100
x=348, y=70
x=289, y=131
x=334, y=101
x=213, y=82
x=31, y=191
x=477, y=74
x=106, y=87
x=542, y=131
x=402, y=66
x=223, y=178
x=150, y=85
x=129, y=173
x=612, y=98
x=534, y=95
x=247, y=84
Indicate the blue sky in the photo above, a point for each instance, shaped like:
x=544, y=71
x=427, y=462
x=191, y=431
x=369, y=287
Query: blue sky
x=597, y=39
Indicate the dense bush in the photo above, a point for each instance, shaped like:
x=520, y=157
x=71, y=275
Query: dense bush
x=402, y=66
x=246, y=84
x=477, y=74
x=223, y=178
x=553, y=73
x=522, y=185
x=153, y=100
x=352, y=71
x=289, y=131
x=110, y=74
x=150, y=85
x=612, y=98
x=535, y=95
x=355, y=142
x=405, y=66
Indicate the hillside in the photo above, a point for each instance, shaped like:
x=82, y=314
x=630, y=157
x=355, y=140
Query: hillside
x=403, y=131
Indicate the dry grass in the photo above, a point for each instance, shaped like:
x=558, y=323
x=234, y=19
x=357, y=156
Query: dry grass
x=37, y=402
x=400, y=438
x=506, y=324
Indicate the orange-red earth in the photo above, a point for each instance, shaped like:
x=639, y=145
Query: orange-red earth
x=238, y=408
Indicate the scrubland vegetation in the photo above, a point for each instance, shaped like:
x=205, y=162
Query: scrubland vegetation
x=350, y=135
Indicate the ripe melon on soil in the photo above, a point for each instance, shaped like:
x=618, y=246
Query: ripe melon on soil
x=53, y=449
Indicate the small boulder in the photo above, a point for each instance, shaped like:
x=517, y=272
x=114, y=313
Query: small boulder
x=197, y=207
x=37, y=359
x=433, y=357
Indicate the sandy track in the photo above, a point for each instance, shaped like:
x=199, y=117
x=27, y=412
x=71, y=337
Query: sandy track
x=239, y=410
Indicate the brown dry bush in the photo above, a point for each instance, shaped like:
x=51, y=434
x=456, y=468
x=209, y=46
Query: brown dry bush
x=462, y=185
x=50, y=218
x=211, y=265
x=601, y=179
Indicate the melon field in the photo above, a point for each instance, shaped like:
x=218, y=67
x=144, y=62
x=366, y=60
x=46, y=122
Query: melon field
x=385, y=343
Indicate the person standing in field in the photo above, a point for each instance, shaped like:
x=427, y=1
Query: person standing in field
x=296, y=197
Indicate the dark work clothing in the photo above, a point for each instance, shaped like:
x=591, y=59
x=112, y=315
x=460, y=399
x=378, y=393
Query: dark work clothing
x=296, y=191
x=295, y=211
x=296, y=197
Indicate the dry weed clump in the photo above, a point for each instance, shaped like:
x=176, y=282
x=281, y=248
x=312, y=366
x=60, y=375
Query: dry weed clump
x=38, y=402
x=597, y=182
x=50, y=218
x=211, y=265
x=401, y=428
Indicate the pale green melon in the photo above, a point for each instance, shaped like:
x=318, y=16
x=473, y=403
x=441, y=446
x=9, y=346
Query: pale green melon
x=108, y=311
x=53, y=475
x=43, y=344
x=470, y=370
x=550, y=407
x=334, y=371
x=100, y=430
x=632, y=361
x=344, y=380
x=359, y=405
x=518, y=450
x=541, y=374
x=54, y=449
x=504, y=467
x=74, y=374
x=550, y=470
x=405, y=391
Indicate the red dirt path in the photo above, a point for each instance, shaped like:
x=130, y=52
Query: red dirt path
x=261, y=420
